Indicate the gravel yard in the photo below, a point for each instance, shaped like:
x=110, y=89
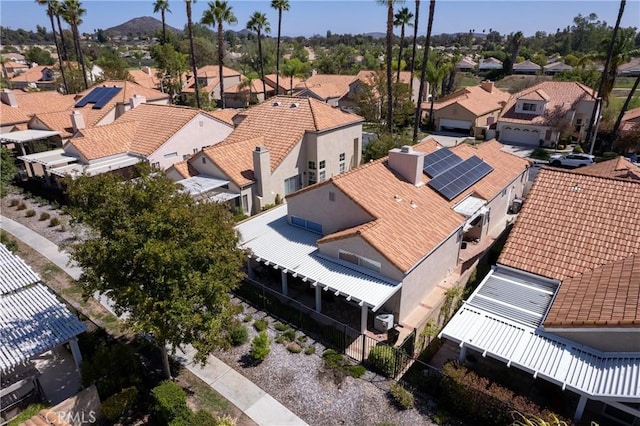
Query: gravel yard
x=313, y=391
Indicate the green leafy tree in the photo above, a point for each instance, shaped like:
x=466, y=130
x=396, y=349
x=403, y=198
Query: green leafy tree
x=218, y=14
x=8, y=169
x=170, y=64
x=72, y=12
x=619, y=55
x=165, y=259
x=280, y=6
x=39, y=56
x=194, y=69
x=294, y=68
x=259, y=24
x=162, y=6
x=380, y=147
x=435, y=76
x=113, y=66
x=204, y=51
x=402, y=19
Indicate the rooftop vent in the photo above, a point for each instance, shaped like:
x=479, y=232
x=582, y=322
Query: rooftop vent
x=276, y=104
x=294, y=105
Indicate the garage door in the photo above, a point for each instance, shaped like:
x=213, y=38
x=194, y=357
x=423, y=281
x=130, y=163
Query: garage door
x=447, y=124
x=519, y=136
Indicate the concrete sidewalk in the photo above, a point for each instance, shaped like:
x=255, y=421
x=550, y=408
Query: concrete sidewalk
x=259, y=406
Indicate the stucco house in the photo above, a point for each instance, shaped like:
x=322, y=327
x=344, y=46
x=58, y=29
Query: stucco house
x=556, y=67
x=563, y=301
x=286, y=85
x=10, y=68
x=17, y=107
x=630, y=120
x=526, y=67
x=390, y=234
x=471, y=110
x=209, y=81
x=489, y=64
x=276, y=148
x=466, y=64
x=348, y=100
x=246, y=93
x=327, y=88
x=40, y=76
x=528, y=117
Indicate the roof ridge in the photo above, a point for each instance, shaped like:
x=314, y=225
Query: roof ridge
x=574, y=172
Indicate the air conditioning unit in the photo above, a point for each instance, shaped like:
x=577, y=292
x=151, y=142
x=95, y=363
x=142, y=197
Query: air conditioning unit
x=516, y=205
x=383, y=322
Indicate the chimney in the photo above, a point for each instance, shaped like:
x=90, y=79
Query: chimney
x=262, y=174
x=407, y=163
x=9, y=98
x=146, y=70
x=77, y=121
x=136, y=100
x=487, y=85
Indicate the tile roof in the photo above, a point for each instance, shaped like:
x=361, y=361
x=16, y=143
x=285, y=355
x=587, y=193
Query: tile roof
x=256, y=87
x=604, y=296
x=526, y=65
x=104, y=141
x=30, y=103
x=559, y=93
x=59, y=121
x=474, y=99
x=573, y=222
x=31, y=75
x=226, y=115
x=279, y=124
x=185, y=169
x=400, y=232
x=367, y=75
x=146, y=79
x=327, y=86
x=616, y=168
x=631, y=115
x=285, y=82
x=209, y=72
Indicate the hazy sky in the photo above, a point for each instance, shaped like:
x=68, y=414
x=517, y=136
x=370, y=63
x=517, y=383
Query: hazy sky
x=308, y=17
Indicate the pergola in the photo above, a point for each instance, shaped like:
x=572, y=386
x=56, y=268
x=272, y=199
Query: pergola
x=25, y=136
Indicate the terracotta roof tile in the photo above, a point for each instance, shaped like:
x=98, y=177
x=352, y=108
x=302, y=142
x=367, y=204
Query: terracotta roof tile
x=146, y=79
x=104, y=141
x=281, y=122
x=31, y=75
x=285, y=82
x=616, y=168
x=605, y=296
x=559, y=93
x=226, y=115
x=30, y=103
x=631, y=115
x=574, y=222
x=210, y=72
x=327, y=86
x=57, y=121
x=185, y=169
x=475, y=99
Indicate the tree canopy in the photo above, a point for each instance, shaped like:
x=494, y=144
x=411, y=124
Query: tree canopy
x=166, y=260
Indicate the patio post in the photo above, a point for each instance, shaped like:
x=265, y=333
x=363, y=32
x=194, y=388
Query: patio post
x=580, y=408
x=75, y=351
x=318, y=298
x=463, y=354
x=363, y=318
x=249, y=269
x=283, y=277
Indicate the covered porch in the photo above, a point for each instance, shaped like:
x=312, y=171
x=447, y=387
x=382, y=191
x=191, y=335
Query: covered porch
x=209, y=188
x=27, y=141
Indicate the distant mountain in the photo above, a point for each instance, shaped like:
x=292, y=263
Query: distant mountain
x=377, y=35
x=144, y=26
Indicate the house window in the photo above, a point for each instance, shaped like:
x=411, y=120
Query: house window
x=342, y=156
x=155, y=165
x=204, y=160
x=322, y=164
x=306, y=224
x=332, y=196
x=185, y=157
x=291, y=185
x=171, y=155
x=312, y=165
x=504, y=192
x=528, y=106
x=360, y=261
x=312, y=178
x=201, y=123
x=322, y=176
x=578, y=121
x=195, y=150
x=342, y=167
x=245, y=204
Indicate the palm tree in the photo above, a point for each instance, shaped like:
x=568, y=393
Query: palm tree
x=423, y=74
x=515, y=40
x=413, y=49
x=435, y=76
x=402, y=20
x=162, y=6
x=259, y=23
x=50, y=13
x=388, y=59
x=616, y=126
x=72, y=12
x=192, y=51
x=219, y=13
x=619, y=55
x=56, y=10
x=280, y=5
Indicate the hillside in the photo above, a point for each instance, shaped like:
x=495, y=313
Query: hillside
x=144, y=26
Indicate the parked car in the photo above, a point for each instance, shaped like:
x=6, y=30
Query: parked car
x=571, y=160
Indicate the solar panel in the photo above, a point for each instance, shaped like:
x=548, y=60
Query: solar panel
x=456, y=180
x=106, y=97
x=440, y=161
x=99, y=96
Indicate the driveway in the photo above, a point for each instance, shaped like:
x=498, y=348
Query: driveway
x=448, y=140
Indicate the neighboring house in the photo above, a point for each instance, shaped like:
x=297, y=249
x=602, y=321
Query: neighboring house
x=620, y=168
x=466, y=64
x=14, y=57
x=40, y=77
x=489, y=64
x=556, y=67
x=244, y=94
x=630, y=119
x=526, y=67
x=384, y=237
x=161, y=135
x=630, y=69
x=327, y=88
x=17, y=107
x=146, y=77
x=530, y=117
x=563, y=302
x=95, y=73
x=278, y=147
x=471, y=110
x=286, y=84
x=10, y=68
x=209, y=81
x=369, y=77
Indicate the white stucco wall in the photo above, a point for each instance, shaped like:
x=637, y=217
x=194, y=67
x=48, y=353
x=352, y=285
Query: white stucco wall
x=327, y=146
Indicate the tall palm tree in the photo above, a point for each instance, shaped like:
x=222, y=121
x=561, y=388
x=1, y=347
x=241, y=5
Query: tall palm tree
x=56, y=9
x=423, y=74
x=218, y=14
x=616, y=126
x=435, y=76
x=192, y=51
x=162, y=6
x=412, y=67
x=280, y=6
x=402, y=20
x=50, y=13
x=515, y=41
x=619, y=55
x=388, y=58
x=72, y=12
x=258, y=23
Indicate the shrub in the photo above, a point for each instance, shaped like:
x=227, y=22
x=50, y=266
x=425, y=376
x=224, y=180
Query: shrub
x=21, y=206
x=27, y=413
x=107, y=359
x=355, y=370
x=14, y=202
x=294, y=348
x=332, y=358
x=119, y=404
x=290, y=335
x=236, y=309
x=383, y=359
x=609, y=155
x=302, y=339
x=310, y=350
x=280, y=326
x=169, y=402
x=203, y=418
x=44, y=216
x=260, y=325
x=578, y=150
x=280, y=339
x=247, y=318
x=238, y=334
x=9, y=242
x=30, y=213
x=260, y=347
x=539, y=154
x=225, y=421
x=401, y=396
x=561, y=147
x=278, y=199
x=54, y=222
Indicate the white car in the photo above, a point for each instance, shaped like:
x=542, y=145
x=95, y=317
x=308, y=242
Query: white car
x=571, y=160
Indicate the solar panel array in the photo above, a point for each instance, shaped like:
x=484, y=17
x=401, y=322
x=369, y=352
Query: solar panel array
x=100, y=96
x=440, y=161
x=457, y=179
